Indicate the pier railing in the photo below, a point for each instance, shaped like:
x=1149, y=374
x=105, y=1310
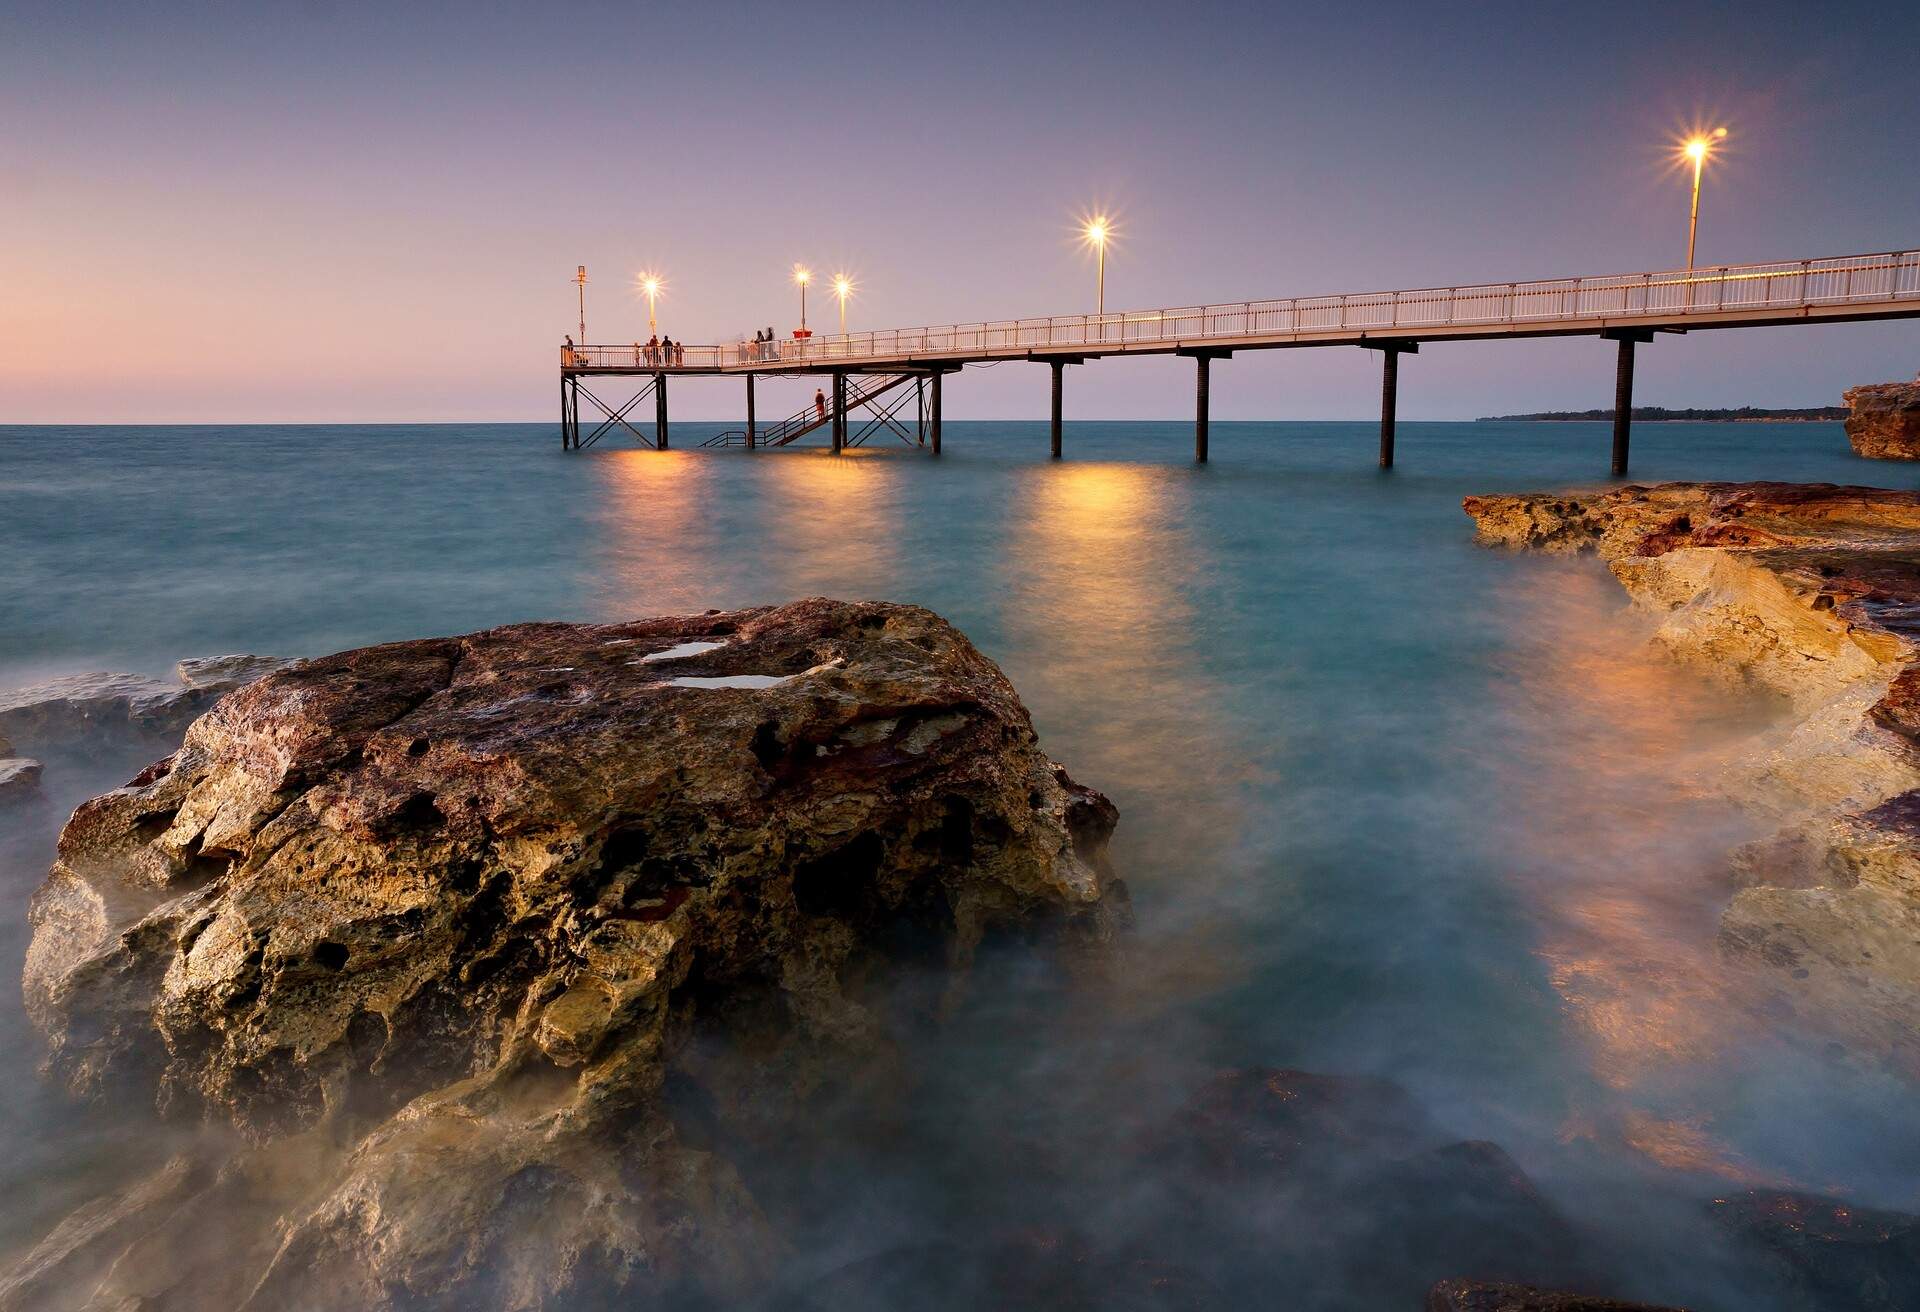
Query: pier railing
x=1779, y=287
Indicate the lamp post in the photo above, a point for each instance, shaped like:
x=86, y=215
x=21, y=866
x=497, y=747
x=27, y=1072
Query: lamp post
x=1697, y=149
x=801, y=277
x=1096, y=232
x=581, y=279
x=842, y=288
x=651, y=283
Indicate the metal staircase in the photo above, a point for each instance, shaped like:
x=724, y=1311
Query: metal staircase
x=862, y=390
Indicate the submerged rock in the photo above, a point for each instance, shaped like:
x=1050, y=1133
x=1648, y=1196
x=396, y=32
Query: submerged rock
x=1883, y=420
x=1481, y=1296
x=1060, y=1271
x=1832, y=1256
x=52, y=715
x=1811, y=593
x=19, y=779
x=441, y=914
x=227, y=672
x=1395, y=1202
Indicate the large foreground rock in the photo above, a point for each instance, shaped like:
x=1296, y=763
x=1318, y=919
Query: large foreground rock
x=433, y=920
x=1810, y=593
x=1883, y=420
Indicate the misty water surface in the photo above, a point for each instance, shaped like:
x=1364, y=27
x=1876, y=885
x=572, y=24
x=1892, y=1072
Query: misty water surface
x=1391, y=802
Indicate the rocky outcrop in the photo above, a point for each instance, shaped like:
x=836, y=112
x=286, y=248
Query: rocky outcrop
x=54, y=714
x=1829, y=1256
x=1883, y=420
x=436, y=920
x=1810, y=593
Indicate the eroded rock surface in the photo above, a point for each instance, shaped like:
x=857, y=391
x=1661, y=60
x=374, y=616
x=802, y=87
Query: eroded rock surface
x=436, y=917
x=1883, y=420
x=1812, y=593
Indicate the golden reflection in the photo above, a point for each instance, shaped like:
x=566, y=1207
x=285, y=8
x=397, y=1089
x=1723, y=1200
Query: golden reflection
x=1618, y=849
x=656, y=513
x=1108, y=652
x=832, y=525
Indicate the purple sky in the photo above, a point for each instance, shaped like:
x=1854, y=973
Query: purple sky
x=336, y=212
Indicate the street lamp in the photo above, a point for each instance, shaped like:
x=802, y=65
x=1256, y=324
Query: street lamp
x=842, y=288
x=651, y=284
x=580, y=279
x=1095, y=233
x=801, y=277
x=1697, y=148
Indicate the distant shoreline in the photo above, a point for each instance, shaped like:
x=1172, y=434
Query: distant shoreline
x=1654, y=414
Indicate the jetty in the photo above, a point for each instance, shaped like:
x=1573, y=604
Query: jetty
x=878, y=372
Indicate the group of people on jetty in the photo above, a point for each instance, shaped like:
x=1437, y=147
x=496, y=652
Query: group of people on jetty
x=660, y=350
x=665, y=351
x=761, y=347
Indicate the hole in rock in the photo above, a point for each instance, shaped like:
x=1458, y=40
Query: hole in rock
x=418, y=747
x=331, y=955
x=838, y=882
x=419, y=812
x=767, y=747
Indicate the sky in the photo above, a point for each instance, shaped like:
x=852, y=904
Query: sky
x=334, y=212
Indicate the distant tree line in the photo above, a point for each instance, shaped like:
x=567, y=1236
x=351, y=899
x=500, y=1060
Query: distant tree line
x=1656, y=413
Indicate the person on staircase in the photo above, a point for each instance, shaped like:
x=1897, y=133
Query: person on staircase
x=820, y=405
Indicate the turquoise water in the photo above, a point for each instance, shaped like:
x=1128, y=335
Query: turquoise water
x=1391, y=802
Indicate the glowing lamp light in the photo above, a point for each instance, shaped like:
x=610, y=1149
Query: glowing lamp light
x=842, y=288
x=651, y=285
x=1696, y=149
x=1096, y=231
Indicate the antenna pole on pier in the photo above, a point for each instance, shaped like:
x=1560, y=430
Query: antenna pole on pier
x=750, y=434
x=938, y=374
x=660, y=411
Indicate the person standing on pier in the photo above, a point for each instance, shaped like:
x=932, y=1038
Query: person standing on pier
x=666, y=350
x=679, y=354
x=820, y=404
x=653, y=349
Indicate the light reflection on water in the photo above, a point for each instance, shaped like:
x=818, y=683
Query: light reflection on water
x=1390, y=802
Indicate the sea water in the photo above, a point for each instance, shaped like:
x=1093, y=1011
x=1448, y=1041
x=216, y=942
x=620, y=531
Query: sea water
x=1391, y=802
